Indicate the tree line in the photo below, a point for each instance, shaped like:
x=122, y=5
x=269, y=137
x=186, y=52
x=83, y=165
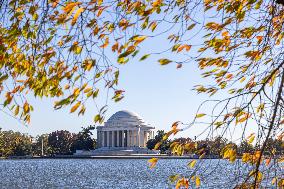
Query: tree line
x=60, y=142
x=215, y=147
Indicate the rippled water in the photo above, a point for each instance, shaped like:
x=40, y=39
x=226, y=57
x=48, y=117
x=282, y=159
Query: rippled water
x=109, y=173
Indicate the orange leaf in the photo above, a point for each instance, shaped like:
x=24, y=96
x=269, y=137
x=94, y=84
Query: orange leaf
x=267, y=161
x=105, y=44
x=186, y=47
x=75, y=107
x=26, y=107
x=70, y=6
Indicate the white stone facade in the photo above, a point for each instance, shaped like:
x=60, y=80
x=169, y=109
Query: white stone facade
x=124, y=129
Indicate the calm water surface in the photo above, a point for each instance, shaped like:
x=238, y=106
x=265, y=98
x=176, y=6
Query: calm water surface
x=110, y=173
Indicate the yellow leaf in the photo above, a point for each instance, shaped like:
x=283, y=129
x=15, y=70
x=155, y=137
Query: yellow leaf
x=202, y=156
x=139, y=39
x=197, y=181
x=251, y=138
x=165, y=137
x=157, y=145
x=76, y=15
x=153, y=26
x=75, y=107
x=153, y=162
x=88, y=90
x=76, y=92
x=273, y=181
x=164, y=61
x=242, y=79
x=199, y=115
x=192, y=163
x=17, y=110
x=246, y=157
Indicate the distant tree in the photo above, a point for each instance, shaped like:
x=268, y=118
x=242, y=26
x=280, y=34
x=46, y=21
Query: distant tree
x=203, y=147
x=83, y=140
x=151, y=144
x=15, y=144
x=186, y=142
x=245, y=147
x=217, y=145
x=274, y=147
x=61, y=142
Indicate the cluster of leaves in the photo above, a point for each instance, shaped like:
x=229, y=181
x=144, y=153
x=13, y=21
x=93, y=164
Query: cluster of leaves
x=57, y=49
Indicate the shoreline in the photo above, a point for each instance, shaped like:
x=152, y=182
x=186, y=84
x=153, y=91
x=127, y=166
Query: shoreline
x=107, y=157
x=141, y=156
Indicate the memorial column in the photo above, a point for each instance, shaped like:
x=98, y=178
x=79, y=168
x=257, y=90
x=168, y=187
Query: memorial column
x=107, y=144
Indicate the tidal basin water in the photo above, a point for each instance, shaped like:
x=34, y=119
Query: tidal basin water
x=110, y=173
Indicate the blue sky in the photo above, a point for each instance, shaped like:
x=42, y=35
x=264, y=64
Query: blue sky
x=160, y=94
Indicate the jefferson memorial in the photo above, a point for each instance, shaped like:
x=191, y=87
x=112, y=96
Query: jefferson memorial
x=124, y=133
x=124, y=129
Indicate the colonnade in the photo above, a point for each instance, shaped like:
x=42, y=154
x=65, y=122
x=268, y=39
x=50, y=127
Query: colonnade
x=124, y=138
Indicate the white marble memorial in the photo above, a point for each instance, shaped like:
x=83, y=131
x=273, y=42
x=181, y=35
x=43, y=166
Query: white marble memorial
x=124, y=133
x=124, y=129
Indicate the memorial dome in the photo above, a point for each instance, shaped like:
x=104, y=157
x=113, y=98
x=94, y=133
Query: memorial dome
x=125, y=118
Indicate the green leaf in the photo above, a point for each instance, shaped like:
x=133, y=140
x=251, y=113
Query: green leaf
x=191, y=27
x=4, y=77
x=199, y=115
x=144, y=57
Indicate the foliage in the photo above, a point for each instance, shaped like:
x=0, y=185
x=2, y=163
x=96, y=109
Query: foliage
x=15, y=144
x=163, y=147
x=61, y=142
x=57, y=49
x=55, y=143
x=83, y=140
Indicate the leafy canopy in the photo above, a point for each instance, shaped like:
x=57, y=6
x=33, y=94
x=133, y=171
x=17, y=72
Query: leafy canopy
x=57, y=49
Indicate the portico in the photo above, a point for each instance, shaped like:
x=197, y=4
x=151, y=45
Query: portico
x=123, y=137
x=124, y=129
